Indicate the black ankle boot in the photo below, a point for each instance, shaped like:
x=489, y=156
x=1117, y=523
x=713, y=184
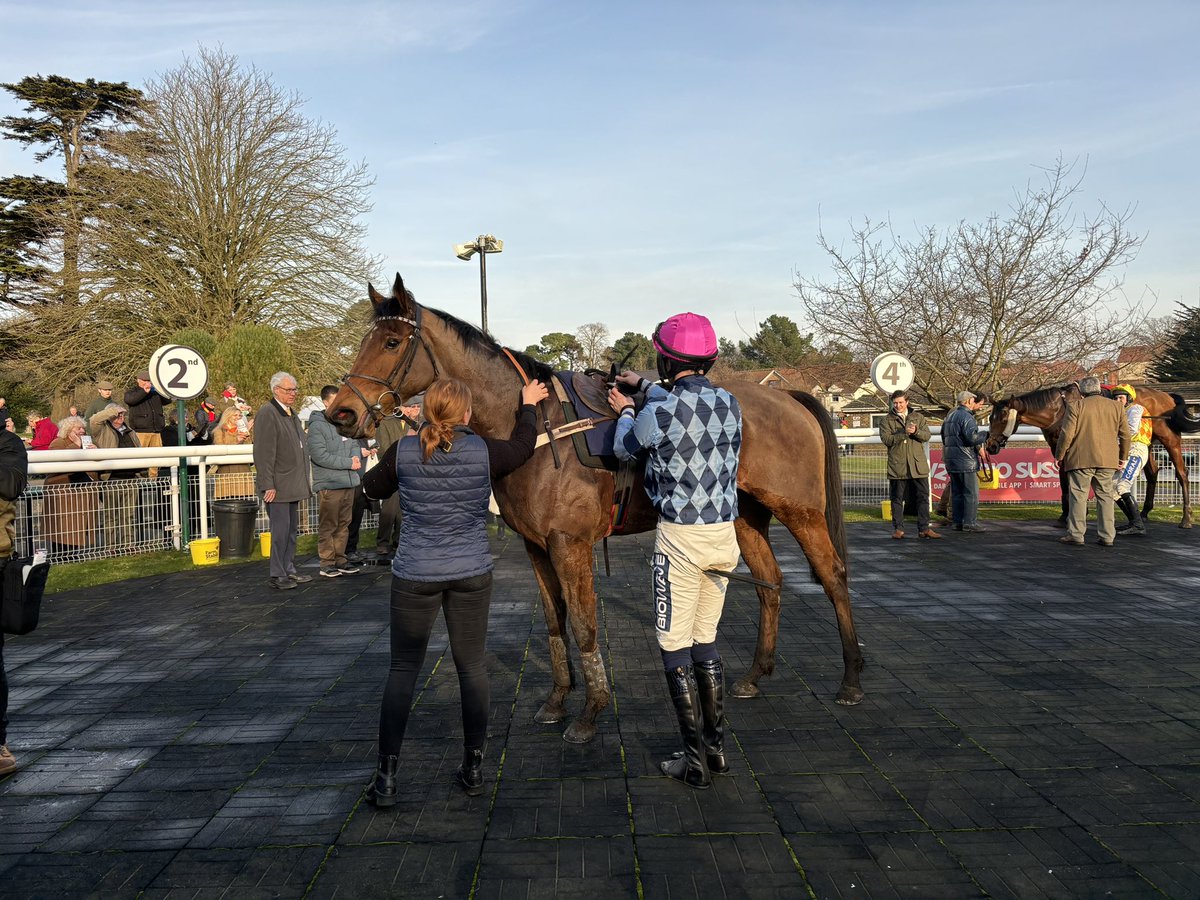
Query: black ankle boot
x=470, y=773
x=382, y=790
x=688, y=768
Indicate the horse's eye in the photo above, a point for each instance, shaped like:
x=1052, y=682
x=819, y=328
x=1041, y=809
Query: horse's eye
x=392, y=343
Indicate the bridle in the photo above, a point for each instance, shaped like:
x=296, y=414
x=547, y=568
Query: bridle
x=403, y=366
x=1010, y=425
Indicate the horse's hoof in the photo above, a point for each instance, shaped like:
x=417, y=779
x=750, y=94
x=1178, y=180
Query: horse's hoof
x=579, y=733
x=550, y=714
x=744, y=689
x=850, y=696
x=1186, y=524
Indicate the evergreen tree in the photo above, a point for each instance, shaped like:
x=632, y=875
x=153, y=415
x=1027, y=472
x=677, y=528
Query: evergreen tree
x=778, y=344
x=1181, y=360
x=636, y=349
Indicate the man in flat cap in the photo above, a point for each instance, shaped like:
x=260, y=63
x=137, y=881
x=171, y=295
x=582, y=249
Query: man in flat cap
x=146, y=415
x=104, y=389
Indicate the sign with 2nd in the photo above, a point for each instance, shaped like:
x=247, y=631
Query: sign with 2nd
x=178, y=372
x=891, y=372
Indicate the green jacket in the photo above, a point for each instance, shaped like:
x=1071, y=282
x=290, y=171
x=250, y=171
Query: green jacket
x=906, y=452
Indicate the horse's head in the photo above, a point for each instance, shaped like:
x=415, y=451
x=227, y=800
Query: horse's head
x=393, y=363
x=1002, y=423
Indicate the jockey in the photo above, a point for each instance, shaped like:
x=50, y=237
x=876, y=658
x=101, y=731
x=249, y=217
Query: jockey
x=693, y=435
x=1140, y=428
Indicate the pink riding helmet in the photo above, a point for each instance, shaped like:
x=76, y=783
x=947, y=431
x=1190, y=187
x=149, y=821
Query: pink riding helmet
x=686, y=337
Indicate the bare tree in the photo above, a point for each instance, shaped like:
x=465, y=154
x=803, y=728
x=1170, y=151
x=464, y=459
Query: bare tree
x=1005, y=304
x=594, y=346
x=224, y=207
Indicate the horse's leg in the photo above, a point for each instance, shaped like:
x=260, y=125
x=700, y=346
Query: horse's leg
x=752, y=526
x=808, y=527
x=572, y=560
x=555, y=611
x=1175, y=448
x=1151, y=473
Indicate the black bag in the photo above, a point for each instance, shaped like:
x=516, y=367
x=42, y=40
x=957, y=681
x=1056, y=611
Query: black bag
x=22, y=601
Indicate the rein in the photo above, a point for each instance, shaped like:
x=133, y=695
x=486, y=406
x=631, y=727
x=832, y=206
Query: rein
x=405, y=362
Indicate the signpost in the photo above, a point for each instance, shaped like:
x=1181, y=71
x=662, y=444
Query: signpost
x=180, y=373
x=892, y=372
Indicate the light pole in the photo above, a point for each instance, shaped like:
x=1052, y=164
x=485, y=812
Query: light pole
x=483, y=245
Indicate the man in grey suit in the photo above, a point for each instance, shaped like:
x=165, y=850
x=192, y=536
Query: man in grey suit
x=281, y=465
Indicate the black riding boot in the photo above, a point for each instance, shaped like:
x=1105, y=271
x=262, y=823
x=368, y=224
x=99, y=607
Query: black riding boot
x=690, y=767
x=1133, y=514
x=382, y=790
x=470, y=773
x=710, y=682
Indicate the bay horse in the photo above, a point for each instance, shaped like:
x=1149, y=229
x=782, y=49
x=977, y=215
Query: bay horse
x=1046, y=407
x=788, y=468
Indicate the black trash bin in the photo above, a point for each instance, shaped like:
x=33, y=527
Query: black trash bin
x=233, y=521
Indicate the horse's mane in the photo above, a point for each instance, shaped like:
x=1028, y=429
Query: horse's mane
x=1042, y=397
x=472, y=338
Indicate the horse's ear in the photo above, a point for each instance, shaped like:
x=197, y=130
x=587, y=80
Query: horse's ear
x=377, y=299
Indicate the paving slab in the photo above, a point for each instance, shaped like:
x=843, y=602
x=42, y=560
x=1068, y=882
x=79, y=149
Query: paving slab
x=1031, y=728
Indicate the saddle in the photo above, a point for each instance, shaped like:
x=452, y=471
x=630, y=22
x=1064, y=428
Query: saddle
x=591, y=388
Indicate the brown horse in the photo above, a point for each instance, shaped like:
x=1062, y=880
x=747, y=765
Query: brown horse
x=788, y=468
x=1045, y=409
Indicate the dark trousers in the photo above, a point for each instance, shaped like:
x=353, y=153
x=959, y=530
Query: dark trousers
x=389, y=524
x=3, y=695
x=415, y=607
x=356, y=517
x=964, y=500
x=284, y=519
x=900, y=488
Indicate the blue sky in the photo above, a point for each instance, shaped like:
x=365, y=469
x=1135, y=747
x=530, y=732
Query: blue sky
x=639, y=159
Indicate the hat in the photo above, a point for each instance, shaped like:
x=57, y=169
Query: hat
x=143, y=375
x=104, y=386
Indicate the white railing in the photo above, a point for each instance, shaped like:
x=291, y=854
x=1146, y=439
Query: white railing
x=126, y=515
x=121, y=516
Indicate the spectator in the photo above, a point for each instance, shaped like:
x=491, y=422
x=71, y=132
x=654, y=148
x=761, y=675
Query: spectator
x=961, y=440
x=693, y=433
x=14, y=473
x=337, y=464
x=232, y=479
x=104, y=389
x=905, y=433
x=42, y=431
x=70, y=505
x=146, y=416
x=1093, y=443
x=387, y=433
x=110, y=432
x=205, y=418
x=281, y=465
x=444, y=477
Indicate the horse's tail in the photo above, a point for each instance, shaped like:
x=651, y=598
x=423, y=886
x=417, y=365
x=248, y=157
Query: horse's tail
x=1178, y=418
x=835, y=522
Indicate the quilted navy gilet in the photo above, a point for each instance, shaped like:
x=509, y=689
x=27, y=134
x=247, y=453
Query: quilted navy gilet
x=443, y=533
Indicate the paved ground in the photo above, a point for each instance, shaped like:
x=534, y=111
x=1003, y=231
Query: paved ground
x=1031, y=728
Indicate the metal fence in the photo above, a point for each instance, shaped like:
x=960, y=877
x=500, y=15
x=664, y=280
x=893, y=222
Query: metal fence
x=123, y=513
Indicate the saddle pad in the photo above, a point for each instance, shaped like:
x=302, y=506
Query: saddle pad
x=594, y=447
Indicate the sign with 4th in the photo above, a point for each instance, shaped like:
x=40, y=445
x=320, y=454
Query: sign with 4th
x=178, y=372
x=891, y=372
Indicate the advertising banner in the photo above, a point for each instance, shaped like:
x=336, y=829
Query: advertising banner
x=1027, y=475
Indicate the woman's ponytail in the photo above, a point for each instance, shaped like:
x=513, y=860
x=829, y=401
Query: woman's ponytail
x=447, y=402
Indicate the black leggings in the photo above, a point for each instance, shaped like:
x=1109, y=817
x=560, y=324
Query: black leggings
x=415, y=606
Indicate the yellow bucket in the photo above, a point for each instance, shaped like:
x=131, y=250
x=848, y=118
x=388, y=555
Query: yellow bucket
x=206, y=551
x=264, y=544
x=887, y=510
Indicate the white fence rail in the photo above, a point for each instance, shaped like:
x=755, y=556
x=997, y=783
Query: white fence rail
x=119, y=515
